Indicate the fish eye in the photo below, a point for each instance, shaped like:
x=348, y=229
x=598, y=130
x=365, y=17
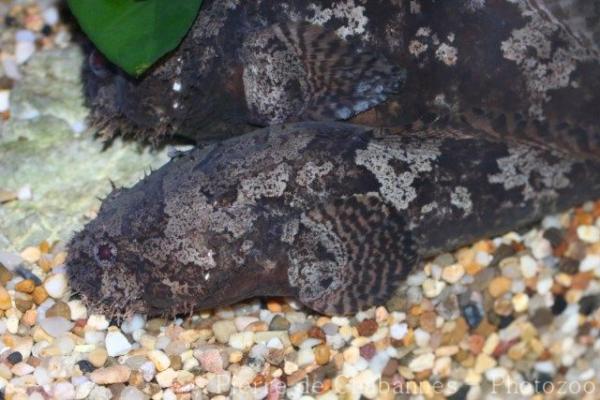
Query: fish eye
x=98, y=64
x=105, y=253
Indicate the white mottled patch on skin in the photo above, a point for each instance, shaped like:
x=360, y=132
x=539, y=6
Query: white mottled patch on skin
x=545, y=66
x=311, y=171
x=427, y=208
x=308, y=272
x=353, y=15
x=474, y=5
x=290, y=230
x=461, y=198
x=447, y=54
x=423, y=31
x=265, y=184
x=523, y=165
x=416, y=48
x=397, y=186
x=415, y=7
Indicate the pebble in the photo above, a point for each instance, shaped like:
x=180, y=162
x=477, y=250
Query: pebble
x=241, y=340
x=160, y=360
x=219, y=383
x=529, y=266
x=432, y=288
x=108, y=375
x=31, y=255
x=367, y=327
x=422, y=363
x=588, y=233
x=398, y=331
x=97, y=322
x=56, y=326
x=4, y=100
x=23, y=51
x=116, y=343
x=165, y=378
x=453, y=273
x=223, y=330
x=520, y=302
x=56, y=285
x=322, y=354
x=5, y=300
x=499, y=286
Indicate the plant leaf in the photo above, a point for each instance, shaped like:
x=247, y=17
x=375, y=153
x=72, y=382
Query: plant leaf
x=135, y=33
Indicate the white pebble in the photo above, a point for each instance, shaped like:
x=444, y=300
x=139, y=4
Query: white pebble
x=24, y=35
x=275, y=343
x=4, y=100
x=97, y=322
x=398, y=331
x=305, y=357
x=56, y=285
x=544, y=285
x=78, y=310
x=133, y=393
x=23, y=51
x=22, y=369
x=11, y=69
x=422, y=362
x=50, y=16
x=132, y=324
x=83, y=390
x=160, y=360
x=165, y=378
x=63, y=390
x=41, y=376
x=148, y=371
x=591, y=262
x=529, y=266
x=243, y=321
x=241, y=340
x=24, y=193
x=432, y=288
x=56, y=326
x=588, y=233
x=116, y=344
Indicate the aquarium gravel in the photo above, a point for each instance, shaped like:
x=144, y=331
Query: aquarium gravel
x=516, y=316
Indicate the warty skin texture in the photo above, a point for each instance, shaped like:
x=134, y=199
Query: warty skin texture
x=333, y=214
x=524, y=69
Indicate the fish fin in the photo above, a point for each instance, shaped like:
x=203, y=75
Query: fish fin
x=350, y=254
x=300, y=71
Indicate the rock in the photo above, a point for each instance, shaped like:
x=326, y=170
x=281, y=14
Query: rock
x=212, y=359
x=77, y=310
x=499, y=286
x=166, y=378
x=31, y=254
x=588, y=233
x=219, y=383
x=148, y=371
x=160, y=360
x=116, y=343
x=398, y=331
x=56, y=285
x=39, y=295
x=223, y=330
x=432, y=288
x=367, y=327
x=453, y=273
x=25, y=286
x=591, y=262
x=279, y=323
x=529, y=266
x=472, y=314
x=132, y=393
x=133, y=323
x=5, y=300
x=422, y=362
x=56, y=326
x=5, y=106
x=241, y=340
x=243, y=377
x=520, y=302
x=22, y=369
x=242, y=322
x=114, y=374
x=305, y=357
x=59, y=309
x=322, y=354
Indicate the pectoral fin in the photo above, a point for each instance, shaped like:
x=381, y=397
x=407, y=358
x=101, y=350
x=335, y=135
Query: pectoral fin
x=304, y=72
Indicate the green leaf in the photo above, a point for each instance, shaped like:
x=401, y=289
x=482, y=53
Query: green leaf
x=135, y=33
